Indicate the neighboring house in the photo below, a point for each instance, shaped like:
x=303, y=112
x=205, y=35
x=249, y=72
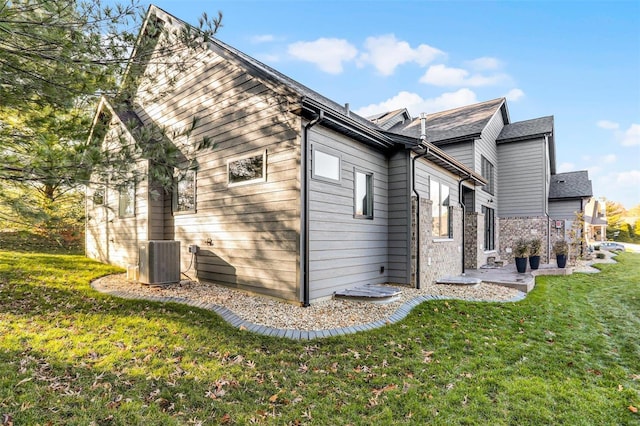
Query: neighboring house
x=569, y=194
x=301, y=197
x=595, y=218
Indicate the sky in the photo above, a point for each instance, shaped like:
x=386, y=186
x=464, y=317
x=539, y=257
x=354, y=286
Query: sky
x=576, y=60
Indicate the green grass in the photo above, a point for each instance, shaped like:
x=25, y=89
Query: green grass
x=568, y=354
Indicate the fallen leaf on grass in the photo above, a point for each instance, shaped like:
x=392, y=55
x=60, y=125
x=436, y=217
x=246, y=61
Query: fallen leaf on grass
x=7, y=420
x=633, y=409
x=225, y=419
x=273, y=398
x=28, y=379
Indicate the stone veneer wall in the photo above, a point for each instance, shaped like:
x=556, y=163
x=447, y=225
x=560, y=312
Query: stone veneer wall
x=472, y=237
x=514, y=228
x=438, y=258
x=474, y=254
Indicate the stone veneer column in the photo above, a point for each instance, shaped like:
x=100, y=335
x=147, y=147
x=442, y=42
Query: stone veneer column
x=471, y=240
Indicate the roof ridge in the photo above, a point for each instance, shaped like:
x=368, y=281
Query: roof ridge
x=477, y=104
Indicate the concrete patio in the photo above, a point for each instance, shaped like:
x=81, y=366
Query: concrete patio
x=506, y=276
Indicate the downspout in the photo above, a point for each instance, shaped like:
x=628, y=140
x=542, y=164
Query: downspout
x=423, y=138
x=546, y=210
x=464, y=213
x=305, y=206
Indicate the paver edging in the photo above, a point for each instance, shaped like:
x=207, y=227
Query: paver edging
x=237, y=322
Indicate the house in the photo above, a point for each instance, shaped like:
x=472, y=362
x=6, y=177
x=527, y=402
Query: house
x=595, y=218
x=301, y=197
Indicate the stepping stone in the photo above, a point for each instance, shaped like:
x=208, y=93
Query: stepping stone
x=370, y=292
x=459, y=280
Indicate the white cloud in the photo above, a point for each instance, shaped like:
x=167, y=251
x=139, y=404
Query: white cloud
x=417, y=104
x=441, y=75
x=485, y=63
x=514, y=95
x=386, y=53
x=611, y=158
x=263, y=38
x=606, y=124
x=594, y=170
x=268, y=58
x=327, y=53
x=622, y=187
x=631, y=178
x=631, y=136
x=566, y=167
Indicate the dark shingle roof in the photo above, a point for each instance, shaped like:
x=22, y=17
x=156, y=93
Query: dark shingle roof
x=570, y=185
x=460, y=123
x=526, y=129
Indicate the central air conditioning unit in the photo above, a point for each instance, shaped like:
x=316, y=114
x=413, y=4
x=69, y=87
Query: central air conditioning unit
x=159, y=262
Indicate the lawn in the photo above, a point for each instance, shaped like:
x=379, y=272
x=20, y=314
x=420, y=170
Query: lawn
x=568, y=354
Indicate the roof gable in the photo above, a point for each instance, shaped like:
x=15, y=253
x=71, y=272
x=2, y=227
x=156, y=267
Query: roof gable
x=570, y=185
x=527, y=129
x=457, y=124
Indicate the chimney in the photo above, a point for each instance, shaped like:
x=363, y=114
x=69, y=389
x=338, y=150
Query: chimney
x=423, y=126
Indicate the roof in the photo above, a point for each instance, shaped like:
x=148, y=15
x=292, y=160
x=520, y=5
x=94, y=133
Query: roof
x=335, y=116
x=457, y=124
x=527, y=129
x=570, y=185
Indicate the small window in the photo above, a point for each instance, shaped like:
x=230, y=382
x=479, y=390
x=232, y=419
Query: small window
x=98, y=196
x=363, y=195
x=488, y=173
x=184, y=196
x=441, y=211
x=126, y=200
x=489, y=228
x=247, y=169
x=325, y=166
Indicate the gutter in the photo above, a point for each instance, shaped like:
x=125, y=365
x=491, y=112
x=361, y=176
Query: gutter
x=423, y=139
x=305, y=206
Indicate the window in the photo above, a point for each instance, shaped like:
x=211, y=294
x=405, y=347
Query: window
x=363, y=194
x=98, y=196
x=184, y=196
x=325, y=166
x=440, y=210
x=488, y=173
x=126, y=200
x=489, y=228
x=248, y=169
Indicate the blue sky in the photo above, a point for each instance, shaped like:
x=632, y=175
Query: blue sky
x=577, y=61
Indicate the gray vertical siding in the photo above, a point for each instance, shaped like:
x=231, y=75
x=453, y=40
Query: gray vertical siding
x=522, y=179
x=564, y=209
x=343, y=250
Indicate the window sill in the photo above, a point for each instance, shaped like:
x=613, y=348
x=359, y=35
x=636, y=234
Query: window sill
x=184, y=212
x=442, y=240
x=494, y=251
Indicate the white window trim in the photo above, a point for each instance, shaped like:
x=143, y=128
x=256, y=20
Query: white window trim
x=450, y=224
x=243, y=157
x=355, y=207
x=100, y=189
x=174, y=201
x=133, y=201
x=326, y=151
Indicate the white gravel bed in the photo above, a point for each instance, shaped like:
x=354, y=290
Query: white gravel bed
x=329, y=314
